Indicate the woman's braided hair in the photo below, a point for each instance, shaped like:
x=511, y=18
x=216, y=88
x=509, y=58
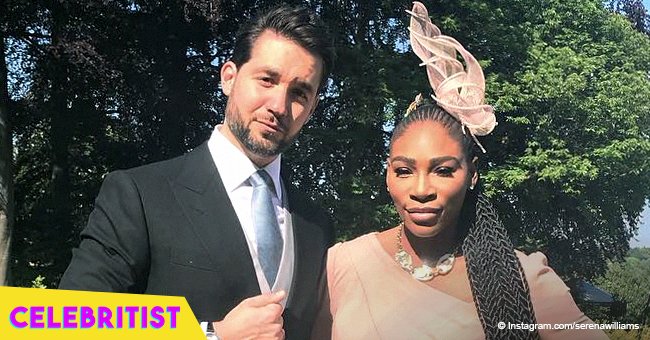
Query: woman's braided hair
x=499, y=287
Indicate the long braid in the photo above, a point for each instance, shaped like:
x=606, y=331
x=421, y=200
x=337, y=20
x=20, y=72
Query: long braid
x=499, y=287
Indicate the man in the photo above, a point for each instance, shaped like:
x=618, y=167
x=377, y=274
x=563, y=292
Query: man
x=218, y=225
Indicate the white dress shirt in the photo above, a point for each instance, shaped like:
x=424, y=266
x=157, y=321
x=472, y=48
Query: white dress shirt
x=235, y=170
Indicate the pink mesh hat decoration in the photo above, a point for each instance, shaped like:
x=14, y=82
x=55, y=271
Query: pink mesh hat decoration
x=458, y=89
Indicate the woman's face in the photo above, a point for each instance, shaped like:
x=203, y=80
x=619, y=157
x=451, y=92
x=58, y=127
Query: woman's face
x=428, y=176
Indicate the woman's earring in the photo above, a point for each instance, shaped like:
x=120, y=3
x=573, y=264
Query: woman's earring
x=471, y=187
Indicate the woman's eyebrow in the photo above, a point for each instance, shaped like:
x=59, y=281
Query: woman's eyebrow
x=409, y=161
x=442, y=159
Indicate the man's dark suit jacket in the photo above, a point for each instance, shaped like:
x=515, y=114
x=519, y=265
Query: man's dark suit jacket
x=168, y=228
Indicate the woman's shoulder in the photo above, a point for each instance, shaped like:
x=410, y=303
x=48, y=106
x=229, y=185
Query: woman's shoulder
x=343, y=259
x=343, y=253
x=362, y=241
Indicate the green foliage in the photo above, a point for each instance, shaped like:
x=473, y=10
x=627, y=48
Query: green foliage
x=634, y=11
x=111, y=85
x=39, y=282
x=628, y=282
x=642, y=334
x=572, y=156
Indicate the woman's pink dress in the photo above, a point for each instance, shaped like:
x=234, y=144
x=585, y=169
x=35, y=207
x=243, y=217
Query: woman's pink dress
x=371, y=297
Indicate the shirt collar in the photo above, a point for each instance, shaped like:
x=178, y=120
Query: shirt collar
x=235, y=167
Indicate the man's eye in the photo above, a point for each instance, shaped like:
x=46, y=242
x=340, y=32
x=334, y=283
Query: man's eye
x=266, y=81
x=300, y=94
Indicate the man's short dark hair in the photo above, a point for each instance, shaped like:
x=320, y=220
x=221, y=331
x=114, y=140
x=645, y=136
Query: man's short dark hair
x=297, y=24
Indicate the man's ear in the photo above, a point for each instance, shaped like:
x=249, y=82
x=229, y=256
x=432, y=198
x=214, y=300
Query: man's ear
x=228, y=76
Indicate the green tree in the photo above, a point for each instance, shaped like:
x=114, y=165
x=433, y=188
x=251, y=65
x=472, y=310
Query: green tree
x=104, y=89
x=14, y=17
x=572, y=153
x=628, y=282
x=634, y=11
x=6, y=172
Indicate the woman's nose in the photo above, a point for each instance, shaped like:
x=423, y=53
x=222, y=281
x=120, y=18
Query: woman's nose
x=424, y=189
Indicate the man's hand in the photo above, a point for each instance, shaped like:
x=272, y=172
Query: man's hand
x=258, y=317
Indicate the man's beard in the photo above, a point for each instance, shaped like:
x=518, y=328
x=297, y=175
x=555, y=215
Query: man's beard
x=263, y=148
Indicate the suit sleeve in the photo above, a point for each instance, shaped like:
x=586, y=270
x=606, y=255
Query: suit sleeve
x=322, y=328
x=113, y=255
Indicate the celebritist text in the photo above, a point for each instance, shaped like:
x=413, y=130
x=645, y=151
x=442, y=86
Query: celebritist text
x=84, y=317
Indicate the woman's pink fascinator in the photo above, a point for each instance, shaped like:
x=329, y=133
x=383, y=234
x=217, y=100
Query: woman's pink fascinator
x=458, y=89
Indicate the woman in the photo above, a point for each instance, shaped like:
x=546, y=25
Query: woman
x=448, y=271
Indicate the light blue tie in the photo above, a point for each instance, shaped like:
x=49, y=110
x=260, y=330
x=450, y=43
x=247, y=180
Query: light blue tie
x=265, y=222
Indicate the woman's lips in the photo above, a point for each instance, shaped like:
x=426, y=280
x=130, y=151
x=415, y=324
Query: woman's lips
x=424, y=215
x=424, y=210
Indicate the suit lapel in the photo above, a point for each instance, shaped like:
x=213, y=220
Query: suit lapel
x=204, y=200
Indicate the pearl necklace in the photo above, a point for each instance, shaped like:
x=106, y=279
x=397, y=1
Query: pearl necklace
x=424, y=272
